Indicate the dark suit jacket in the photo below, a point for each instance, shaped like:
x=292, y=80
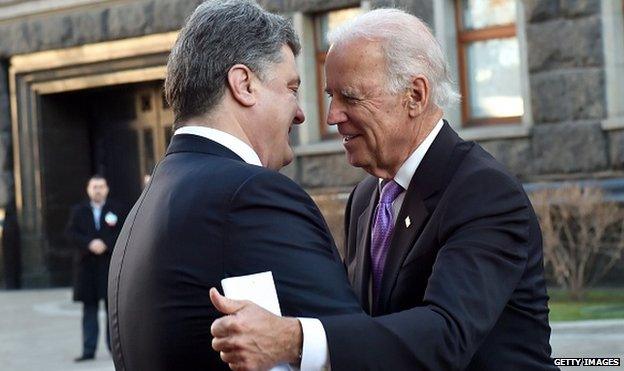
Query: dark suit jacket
x=91, y=271
x=464, y=281
x=204, y=216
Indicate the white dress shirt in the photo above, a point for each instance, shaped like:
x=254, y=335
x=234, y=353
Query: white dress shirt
x=242, y=149
x=314, y=352
x=403, y=177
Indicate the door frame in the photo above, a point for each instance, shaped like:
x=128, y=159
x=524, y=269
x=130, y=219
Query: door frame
x=32, y=75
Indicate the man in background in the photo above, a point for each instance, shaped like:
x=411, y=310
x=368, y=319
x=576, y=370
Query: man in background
x=93, y=228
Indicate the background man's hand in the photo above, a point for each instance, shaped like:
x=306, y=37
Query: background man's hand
x=251, y=338
x=97, y=246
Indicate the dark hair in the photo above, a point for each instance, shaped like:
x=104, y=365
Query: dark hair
x=218, y=35
x=96, y=177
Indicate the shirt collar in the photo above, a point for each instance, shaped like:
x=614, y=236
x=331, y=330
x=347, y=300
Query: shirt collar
x=404, y=176
x=242, y=149
x=97, y=206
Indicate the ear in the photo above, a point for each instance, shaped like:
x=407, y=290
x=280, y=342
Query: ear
x=418, y=96
x=240, y=84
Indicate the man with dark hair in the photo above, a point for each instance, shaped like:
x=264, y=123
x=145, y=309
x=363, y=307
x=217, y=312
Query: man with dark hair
x=215, y=206
x=93, y=228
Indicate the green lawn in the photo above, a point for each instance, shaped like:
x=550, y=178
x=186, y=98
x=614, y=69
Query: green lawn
x=597, y=304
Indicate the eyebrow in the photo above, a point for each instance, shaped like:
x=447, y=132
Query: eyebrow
x=296, y=81
x=345, y=91
x=350, y=92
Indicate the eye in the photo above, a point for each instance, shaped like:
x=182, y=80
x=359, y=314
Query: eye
x=351, y=99
x=295, y=91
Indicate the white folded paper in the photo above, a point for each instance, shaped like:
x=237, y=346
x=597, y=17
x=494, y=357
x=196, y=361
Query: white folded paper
x=258, y=288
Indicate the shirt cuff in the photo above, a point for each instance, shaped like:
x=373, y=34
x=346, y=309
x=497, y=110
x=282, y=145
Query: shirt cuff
x=315, y=354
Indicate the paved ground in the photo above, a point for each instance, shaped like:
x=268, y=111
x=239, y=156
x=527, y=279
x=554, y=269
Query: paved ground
x=40, y=330
x=603, y=338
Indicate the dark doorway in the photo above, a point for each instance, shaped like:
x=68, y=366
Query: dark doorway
x=117, y=132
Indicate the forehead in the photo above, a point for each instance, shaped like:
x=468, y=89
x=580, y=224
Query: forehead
x=358, y=62
x=97, y=182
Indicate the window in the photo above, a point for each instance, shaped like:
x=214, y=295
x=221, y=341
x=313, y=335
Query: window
x=323, y=24
x=489, y=62
x=613, y=39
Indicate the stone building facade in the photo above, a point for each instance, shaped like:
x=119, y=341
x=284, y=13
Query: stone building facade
x=65, y=64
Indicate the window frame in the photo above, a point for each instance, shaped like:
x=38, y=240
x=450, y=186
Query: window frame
x=319, y=60
x=465, y=38
x=612, y=15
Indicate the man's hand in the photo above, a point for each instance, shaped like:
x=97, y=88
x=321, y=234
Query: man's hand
x=251, y=338
x=97, y=246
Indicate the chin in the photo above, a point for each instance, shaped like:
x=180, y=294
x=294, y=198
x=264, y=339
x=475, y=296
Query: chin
x=287, y=160
x=355, y=161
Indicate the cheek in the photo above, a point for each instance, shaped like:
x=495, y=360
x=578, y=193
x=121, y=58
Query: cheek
x=285, y=104
x=375, y=134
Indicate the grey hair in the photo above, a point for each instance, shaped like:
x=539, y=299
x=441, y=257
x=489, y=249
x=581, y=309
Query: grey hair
x=409, y=47
x=218, y=35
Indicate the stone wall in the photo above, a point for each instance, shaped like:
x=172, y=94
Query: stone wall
x=102, y=23
x=6, y=156
x=9, y=245
x=566, y=73
x=420, y=8
x=118, y=21
x=332, y=204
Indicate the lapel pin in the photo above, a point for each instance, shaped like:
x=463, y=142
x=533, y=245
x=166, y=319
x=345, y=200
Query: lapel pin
x=408, y=222
x=110, y=219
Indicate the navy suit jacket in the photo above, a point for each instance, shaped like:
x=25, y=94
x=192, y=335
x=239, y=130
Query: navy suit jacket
x=463, y=285
x=204, y=216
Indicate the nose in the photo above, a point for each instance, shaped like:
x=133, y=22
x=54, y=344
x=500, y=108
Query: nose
x=335, y=115
x=299, y=116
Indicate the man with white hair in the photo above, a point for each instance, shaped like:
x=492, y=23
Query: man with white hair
x=443, y=248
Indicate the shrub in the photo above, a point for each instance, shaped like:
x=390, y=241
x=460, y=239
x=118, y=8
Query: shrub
x=583, y=234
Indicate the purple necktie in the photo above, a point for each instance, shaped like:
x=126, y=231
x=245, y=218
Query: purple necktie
x=382, y=232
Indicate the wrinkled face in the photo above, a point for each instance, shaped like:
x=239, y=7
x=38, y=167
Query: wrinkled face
x=277, y=111
x=97, y=189
x=372, y=121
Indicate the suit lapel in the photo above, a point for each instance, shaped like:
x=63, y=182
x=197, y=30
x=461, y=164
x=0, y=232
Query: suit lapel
x=430, y=176
x=362, y=267
x=88, y=215
x=103, y=216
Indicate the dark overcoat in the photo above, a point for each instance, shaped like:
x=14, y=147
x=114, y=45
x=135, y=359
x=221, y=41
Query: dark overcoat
x=91, y=270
